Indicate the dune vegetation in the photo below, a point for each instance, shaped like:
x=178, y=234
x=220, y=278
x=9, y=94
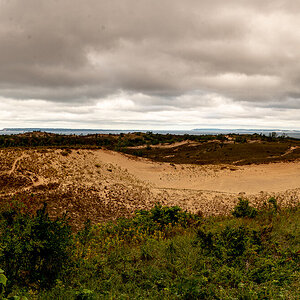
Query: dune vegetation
x=162, y=253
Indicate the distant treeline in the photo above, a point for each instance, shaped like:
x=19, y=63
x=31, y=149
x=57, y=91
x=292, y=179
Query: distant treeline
x=119, y=141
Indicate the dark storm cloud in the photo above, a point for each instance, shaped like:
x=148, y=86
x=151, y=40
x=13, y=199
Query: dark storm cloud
x=163, y=55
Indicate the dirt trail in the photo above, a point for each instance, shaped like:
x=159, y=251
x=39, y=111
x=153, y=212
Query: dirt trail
x=14, y=166
x=292, y=149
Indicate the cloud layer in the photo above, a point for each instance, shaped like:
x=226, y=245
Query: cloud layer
x=149, y=62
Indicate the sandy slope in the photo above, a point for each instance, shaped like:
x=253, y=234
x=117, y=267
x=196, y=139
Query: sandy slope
x=250, y=179
x=102, y=184
x=211, y=189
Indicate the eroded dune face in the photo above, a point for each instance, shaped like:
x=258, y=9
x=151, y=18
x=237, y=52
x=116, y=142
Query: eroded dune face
x=101, y=185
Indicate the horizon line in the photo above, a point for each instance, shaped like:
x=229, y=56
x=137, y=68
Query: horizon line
x=101, y=129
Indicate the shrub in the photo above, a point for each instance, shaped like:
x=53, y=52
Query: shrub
x=228, y=245
x=272, y=201
x=34, y=249
x=160, y=217
x=3, y=281
x=243, y=209
x=85, y=294
x=234, y=241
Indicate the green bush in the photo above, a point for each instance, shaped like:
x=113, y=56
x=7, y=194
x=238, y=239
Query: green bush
x=159, y=219
x=3, y=281
x=227, y=245
x=35, y=250
x=273, y=202
x=243, y=209
x=85, y=294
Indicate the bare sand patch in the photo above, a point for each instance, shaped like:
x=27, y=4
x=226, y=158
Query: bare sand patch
x=211, y=189
x=274, y=177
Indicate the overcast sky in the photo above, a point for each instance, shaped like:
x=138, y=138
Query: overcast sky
x=141, y=64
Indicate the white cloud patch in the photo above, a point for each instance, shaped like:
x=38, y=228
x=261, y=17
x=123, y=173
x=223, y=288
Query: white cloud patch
x=128, y=111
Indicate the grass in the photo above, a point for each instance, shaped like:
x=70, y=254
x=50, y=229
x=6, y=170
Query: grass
x=166, y=253
x=220, y=153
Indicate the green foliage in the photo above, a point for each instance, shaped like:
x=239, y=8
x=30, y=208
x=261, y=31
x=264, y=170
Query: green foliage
x=158, y=221
x=243, y=209
x=273, y=202
x=85, y=294
x=159, y=217
x=3, y=281
x=166, y=253
x=228, y=245
x=34, y=249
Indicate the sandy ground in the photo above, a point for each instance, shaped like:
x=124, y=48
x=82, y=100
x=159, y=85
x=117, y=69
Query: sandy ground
x=249, y=179
x=105, y=184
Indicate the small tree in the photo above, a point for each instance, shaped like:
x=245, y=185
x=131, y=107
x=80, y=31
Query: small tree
x=243, y=209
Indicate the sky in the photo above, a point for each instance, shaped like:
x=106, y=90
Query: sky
x=159, y=64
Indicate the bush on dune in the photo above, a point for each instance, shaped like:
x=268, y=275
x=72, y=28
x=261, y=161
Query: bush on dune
x=35, y=250
x=243, y=209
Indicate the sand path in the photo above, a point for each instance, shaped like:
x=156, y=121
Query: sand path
x=15, y=164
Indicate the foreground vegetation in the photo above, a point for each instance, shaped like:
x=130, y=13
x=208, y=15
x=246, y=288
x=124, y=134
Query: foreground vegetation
x=164, y=253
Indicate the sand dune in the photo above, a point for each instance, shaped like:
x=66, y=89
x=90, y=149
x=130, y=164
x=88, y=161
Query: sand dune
x=102, y=184
x=250, y=179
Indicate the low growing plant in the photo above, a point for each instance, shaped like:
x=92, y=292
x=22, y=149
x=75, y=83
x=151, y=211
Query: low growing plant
x=243, y=209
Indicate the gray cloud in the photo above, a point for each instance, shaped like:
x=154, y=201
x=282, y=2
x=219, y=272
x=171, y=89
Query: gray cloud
x=163, y=55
